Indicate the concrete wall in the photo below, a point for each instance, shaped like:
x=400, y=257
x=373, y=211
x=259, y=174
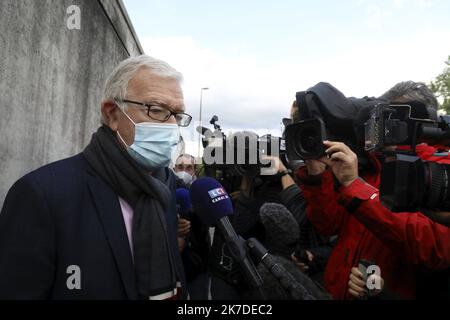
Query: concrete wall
x=51, y=78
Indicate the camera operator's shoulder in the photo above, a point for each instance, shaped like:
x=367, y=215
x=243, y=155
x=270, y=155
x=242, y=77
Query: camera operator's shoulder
x=443, y=158
x=433, y=154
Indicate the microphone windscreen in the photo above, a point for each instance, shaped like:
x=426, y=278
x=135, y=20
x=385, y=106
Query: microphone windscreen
x=183, y=201
x=281, y=226
x=210, y=200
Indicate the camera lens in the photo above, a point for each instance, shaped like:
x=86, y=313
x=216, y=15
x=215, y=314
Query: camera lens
x=304, y=139
x=309, y=141
x=437, y=184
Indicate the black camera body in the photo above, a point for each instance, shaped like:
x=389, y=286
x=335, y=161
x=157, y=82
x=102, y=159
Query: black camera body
x=325, y=114
x=239, y=154
x=369, y=124
x=407, y=182
x=403, y=124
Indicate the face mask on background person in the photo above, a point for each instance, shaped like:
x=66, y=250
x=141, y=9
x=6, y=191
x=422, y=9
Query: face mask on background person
x=186, y=177
x=154, y=143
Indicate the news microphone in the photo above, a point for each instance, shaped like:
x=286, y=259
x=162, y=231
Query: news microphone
x=213, y=206
x=282, y=230
x=184, y=203
x=295, y=289
x=281, y=237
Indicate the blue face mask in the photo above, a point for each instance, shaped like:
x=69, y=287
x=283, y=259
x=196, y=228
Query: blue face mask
x=154, y=143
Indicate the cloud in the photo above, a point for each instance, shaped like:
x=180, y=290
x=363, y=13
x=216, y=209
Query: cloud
x=244, y=93
x=397, y=4
x=424, y=3
x=377, y=16
x=378, y=13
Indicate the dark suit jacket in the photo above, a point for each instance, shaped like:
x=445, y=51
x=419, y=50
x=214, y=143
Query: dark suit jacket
x=62, y=215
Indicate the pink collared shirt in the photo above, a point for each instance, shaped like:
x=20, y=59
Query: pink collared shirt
x=127, y=213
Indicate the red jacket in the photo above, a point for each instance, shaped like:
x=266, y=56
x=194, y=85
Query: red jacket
x=396, y=242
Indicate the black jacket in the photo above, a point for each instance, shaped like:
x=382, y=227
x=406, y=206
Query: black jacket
x=64, y=215
x=292, y=198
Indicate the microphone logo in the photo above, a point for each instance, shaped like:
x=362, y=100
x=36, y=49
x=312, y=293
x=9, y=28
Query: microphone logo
x=218, y=194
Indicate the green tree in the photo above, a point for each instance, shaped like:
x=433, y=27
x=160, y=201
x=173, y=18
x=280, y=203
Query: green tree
x=441, y=87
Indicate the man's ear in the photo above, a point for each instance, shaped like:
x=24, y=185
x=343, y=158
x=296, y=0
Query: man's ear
x=110, y=114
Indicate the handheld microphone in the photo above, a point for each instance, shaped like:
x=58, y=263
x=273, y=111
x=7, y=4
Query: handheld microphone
x=213, y=205
x=184, y=203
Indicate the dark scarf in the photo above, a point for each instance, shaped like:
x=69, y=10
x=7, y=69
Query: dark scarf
x=149, y=196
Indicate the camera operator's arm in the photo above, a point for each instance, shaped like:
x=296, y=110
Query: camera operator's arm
x=277, y=167
x=419, y=238
x=245, y=215
x=292, y=198
x=424, y=241
x=286, y=179
x=291, y=195
x=317, y=185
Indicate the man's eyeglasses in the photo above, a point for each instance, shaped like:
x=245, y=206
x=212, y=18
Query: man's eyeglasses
x=160, y=113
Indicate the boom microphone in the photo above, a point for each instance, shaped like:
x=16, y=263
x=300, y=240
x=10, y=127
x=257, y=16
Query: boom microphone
x=281, y=237
x=282, y=230
x=213, y=205
x=282, y=278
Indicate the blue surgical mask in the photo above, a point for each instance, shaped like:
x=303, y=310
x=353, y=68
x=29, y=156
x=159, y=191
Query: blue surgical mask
x=154, y=143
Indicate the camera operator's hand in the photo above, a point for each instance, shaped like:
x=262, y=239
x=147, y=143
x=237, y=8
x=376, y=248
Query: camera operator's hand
x=342, y=160
x=315, y=167
x=302, y=265
x=278, y=167
x=357, y=286
x=181, y=244
x=184, y=226
x=276, y=164
x=234, y=195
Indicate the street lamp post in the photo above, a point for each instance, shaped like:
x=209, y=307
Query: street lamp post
x=200, y=119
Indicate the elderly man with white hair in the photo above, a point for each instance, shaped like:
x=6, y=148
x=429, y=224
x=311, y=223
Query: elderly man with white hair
x=102, y=224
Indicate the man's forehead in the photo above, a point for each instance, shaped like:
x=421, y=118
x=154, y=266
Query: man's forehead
x=150, y=87
x=185, y=159
x=150, y=80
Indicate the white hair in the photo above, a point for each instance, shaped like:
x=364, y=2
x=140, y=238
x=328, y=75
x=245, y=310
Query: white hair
x=116, y=86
